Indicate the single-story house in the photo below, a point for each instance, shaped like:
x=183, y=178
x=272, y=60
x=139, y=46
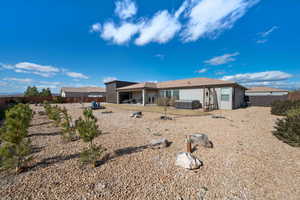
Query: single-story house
x=212, y=93
x=82, y=92
x=264, y=96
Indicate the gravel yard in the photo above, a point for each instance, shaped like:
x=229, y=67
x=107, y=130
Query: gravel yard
x=247, y=161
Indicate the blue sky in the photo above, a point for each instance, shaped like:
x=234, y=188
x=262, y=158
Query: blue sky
x=83, y=43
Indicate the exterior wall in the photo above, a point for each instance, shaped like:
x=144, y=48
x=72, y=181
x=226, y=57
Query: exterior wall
x=239, y=97
x=111, y=92
x=236, y=96
x=266, y=93
x=191, y=94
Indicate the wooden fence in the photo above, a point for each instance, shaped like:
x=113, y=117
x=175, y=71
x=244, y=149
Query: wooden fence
x=54, y=99
x=294, y=95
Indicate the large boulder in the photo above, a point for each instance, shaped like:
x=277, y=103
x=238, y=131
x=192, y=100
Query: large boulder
x=159, y=143
x=187, y=161
x=201, y=139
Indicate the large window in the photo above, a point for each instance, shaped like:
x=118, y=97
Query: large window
x=169, y=94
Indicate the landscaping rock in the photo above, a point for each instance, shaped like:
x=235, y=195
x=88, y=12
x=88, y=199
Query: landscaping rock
x=106, y=112
x=187, y=161
x=165, y=118
x=159, y=143
x=201, y=139
x=137, y=114
x=217, y=117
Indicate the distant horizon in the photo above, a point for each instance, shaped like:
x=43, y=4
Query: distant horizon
x=86, y=43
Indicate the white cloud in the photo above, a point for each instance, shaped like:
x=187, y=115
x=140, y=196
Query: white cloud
x=109, y=79
x=276, y=84
x=96, y=27
x=125, y=9
x=262, y=41
x=200, y=71
x=77, y=75
x=20, y=80
x=268, y=32
x=161, y=28
x=160, y=56
x=121, y=34
x=32, y=68
x=263, y=35
x=210, y=17
x=35, y=67
x=220, y=60
x=202, y=18
x=258, y=77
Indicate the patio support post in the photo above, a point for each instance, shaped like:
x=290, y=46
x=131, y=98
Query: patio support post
x=144, y=97
x=118, y=98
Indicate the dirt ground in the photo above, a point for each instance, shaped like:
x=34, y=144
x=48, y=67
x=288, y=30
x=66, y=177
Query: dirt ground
x=247, y=161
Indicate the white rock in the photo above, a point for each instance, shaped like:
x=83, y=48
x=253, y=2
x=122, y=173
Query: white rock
x=187, y=161
x=159, y=143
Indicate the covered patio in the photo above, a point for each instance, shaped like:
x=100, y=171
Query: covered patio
x=143, y=93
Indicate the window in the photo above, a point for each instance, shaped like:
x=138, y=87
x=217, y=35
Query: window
x=176, y=94
x=225, y=97
x=225, y=94
x=169, y=93
x=162, y=93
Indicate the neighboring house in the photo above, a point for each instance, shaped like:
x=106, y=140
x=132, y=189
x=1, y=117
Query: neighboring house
x=212, y=93
x=82, y=92
x=264, y=96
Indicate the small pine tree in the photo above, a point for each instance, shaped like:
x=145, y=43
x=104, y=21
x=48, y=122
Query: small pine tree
x=68, y=130
x=55, y=115
x=16, y=148
x=88, y=131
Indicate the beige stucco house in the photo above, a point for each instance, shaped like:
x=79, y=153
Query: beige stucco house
x=212, y=93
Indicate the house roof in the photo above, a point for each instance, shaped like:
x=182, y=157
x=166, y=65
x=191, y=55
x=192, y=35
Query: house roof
x=265, y=89
x=83, y=89
x=149, y=85
x=192, y=82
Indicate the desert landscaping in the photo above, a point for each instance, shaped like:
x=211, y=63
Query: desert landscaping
x=246, y=161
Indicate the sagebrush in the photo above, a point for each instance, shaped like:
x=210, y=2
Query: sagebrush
x=288, y=128
x=282, y=107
